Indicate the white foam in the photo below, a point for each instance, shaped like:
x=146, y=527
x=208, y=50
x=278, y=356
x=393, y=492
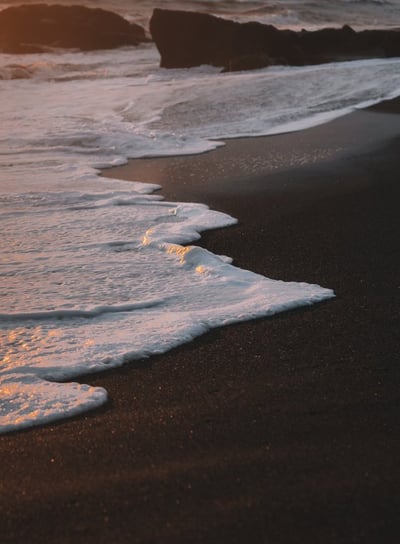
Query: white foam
x=27, y=400
x=200, y=291
x=90, y=284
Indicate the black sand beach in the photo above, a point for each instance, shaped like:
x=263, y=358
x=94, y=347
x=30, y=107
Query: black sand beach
x=280, y=430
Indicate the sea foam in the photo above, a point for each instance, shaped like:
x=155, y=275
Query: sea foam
x=154, y=292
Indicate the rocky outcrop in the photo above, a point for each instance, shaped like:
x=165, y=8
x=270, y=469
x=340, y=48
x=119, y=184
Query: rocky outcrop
x=33, y=28
x=186, y=39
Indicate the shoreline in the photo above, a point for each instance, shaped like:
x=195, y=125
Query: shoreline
x=241, y=165
x=281, y=173
x=281, y=429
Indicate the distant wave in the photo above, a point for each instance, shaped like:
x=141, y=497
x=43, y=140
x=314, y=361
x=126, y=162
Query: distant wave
x=46, y=70
x=15, y=71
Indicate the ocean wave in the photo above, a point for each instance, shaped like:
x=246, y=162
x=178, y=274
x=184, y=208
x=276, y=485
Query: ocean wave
x=16, y=71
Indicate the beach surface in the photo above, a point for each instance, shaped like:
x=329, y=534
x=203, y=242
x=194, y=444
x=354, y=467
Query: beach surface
x=279, y=430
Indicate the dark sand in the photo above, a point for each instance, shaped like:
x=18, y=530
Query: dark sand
x=281, y=430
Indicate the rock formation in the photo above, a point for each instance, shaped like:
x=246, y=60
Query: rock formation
x=33, y=28
x=186, y=39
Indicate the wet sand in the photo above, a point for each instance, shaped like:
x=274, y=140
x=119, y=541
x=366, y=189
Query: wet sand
x=280, y=430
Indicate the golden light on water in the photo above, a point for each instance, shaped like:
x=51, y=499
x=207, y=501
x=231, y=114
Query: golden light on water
x=21, y=341
x=179, y=251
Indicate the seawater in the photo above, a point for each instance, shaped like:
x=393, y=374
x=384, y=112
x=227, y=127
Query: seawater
x=97, y=272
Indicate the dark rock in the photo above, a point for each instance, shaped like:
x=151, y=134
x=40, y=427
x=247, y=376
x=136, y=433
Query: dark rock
x=190, y=39
x=186, y=39
x=33, y=28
